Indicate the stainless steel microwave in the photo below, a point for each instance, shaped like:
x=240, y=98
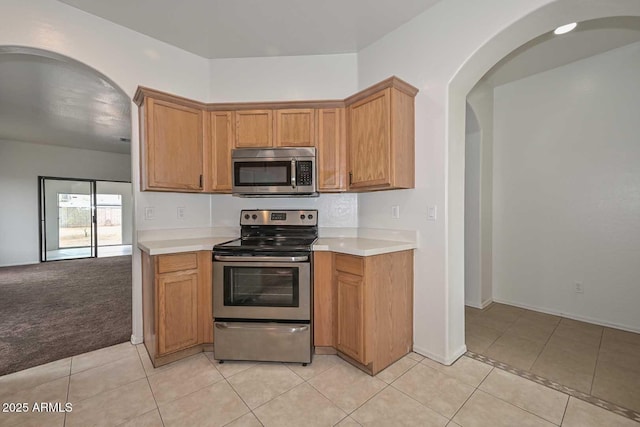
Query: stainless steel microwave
x=274, y=171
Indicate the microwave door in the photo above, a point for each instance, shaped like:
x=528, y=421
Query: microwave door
x=263, y=174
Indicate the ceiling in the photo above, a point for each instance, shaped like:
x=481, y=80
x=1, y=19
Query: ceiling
x=49, y=99
x=254, y=28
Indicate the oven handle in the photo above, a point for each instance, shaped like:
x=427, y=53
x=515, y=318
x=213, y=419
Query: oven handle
x=262, y=258
x=262, y=327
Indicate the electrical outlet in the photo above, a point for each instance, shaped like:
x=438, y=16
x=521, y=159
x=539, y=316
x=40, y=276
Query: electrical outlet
x=149, y=213
x=578, y=288
x=180, y=212
x=395, y=212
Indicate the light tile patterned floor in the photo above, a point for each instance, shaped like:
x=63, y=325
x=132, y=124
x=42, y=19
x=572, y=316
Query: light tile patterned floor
x=599, y=361
x=118, y=386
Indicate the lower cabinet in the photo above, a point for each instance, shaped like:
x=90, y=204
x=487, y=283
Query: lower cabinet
x=364, y=307
x=177, y=314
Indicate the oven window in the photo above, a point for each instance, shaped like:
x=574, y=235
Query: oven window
x=261, y=286
x=262, y=173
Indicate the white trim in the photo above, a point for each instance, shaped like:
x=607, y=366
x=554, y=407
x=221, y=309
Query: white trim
x=570, y=316
x=480, y=306
x=136, y=339
x=20, y=263
x=449, y=361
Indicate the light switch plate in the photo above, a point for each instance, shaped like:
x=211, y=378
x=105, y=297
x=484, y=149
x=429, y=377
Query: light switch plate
x=432, y=213
x=395, y=212
x=149, y=213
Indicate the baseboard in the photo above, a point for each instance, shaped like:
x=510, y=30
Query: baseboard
x=480, y=306
x=570, y=315
x=20, y=263
x=445, y=361
x=136, y=339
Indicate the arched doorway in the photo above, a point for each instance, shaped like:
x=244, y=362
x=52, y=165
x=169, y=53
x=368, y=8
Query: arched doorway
x=62, y=119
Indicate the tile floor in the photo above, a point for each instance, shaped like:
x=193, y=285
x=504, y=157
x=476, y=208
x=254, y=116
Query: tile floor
x=596, y=360
x=118, y=386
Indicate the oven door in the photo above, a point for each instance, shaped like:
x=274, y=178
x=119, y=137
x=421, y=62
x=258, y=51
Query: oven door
x=263, y=288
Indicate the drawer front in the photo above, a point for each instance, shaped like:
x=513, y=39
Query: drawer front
x=177, y=262
x=350, y=264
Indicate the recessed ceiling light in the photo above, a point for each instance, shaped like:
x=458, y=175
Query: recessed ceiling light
x=565, y=28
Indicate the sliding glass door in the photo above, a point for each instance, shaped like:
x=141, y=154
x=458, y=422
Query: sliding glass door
x=67, y=219
x=84, y=218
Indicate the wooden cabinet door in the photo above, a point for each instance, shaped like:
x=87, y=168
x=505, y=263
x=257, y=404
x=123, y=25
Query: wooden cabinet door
x=350, y=337
x=174, y=146
x=295, y=128
x=177, y=311
x=370, y=141
x=323, y=299
x=254, y=128
x=221, y=140
x=331, y=150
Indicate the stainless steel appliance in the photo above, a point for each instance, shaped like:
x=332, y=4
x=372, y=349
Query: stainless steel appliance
x=262, y=288
x=264, y=172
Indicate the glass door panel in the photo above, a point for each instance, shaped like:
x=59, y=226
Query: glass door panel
x=67, y=219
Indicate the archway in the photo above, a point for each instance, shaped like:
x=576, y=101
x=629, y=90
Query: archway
x=62, y=118
x=516, y=34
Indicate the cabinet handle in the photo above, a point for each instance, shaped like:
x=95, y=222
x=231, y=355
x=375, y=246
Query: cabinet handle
x=200, y=180
x=350, y=177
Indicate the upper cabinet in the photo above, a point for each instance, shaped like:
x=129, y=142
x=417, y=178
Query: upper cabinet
x=331, y=150
x=171, y=142
x=381, y=137
x=363, y=143
x=254, y=128
x=221, y=141
x=294, y=128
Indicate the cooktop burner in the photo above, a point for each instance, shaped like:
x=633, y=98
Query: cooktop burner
x=274, y=230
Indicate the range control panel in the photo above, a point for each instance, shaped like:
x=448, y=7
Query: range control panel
x=279, y=217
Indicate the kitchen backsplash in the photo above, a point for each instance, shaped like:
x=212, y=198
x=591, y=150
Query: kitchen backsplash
x=334, y=210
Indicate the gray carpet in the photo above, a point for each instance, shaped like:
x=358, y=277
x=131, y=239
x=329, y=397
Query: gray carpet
x=54, y=310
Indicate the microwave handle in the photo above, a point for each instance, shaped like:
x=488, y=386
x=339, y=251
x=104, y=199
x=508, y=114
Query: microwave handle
x=294, y=171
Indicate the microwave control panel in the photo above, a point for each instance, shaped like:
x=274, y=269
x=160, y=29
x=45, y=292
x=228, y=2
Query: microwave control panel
x=303, y=173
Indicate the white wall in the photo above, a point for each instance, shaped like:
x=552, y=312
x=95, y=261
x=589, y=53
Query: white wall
x=129, y=59
x=567, y=189
x=20, y=165
x=285, y=78
x=472, y=181
x=478, y=199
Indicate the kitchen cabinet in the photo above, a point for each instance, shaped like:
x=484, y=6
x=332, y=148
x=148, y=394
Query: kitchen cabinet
x=331, y=150
x=323, y=302
x=221, y=140
x=177, y=313
x=373, y=308
x=171, y=142
x=381, y=137
x=254, y=128
x=364, y=142
x=294, y=127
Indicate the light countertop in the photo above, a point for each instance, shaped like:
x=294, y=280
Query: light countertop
x=361, y=246
x=346, y=245
x=171, y=246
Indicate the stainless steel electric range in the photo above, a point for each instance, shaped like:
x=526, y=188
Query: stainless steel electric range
x=262, y=288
